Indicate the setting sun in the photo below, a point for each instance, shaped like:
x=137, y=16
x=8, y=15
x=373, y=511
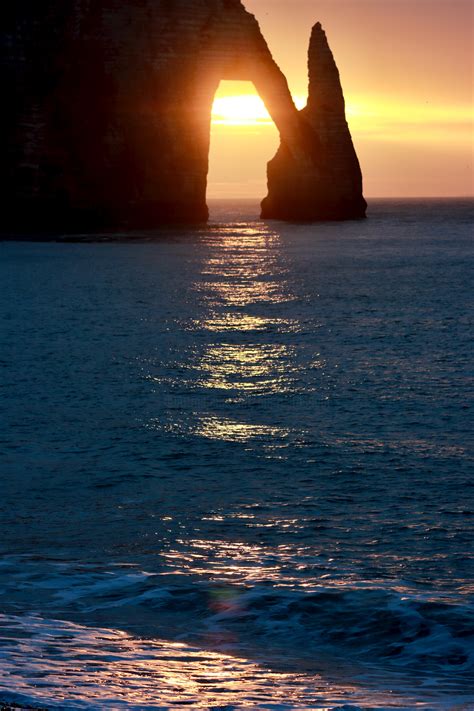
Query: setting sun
x=238, y=104
x=239, y=110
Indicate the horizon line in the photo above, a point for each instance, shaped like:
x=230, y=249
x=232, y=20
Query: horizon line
x=367, y=197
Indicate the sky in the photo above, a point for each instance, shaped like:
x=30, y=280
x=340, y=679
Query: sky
x=407, y=72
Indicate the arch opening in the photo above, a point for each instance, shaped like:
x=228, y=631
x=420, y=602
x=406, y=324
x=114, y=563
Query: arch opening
x=243, y=139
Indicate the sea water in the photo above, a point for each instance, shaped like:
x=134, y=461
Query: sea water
x=236, y=465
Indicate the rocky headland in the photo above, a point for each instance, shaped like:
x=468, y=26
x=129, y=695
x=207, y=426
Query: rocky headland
x=106, y=118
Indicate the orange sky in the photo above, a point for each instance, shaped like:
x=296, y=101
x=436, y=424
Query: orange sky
x=406, y=68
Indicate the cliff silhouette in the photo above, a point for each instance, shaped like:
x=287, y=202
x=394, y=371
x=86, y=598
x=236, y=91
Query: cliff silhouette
x=107, y=105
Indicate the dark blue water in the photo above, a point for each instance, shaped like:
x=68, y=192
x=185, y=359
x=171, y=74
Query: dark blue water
x=237, y=465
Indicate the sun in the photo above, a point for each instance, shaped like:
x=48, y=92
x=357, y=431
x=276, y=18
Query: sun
x=234, y=107
x=243, y=110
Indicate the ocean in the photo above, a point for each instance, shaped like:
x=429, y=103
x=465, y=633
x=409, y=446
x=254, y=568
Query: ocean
x=237, y=465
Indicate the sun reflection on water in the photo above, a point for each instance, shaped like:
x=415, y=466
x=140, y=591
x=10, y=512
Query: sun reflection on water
x=235, y=322
x=244, y=292
x=52, y=665
x=250, y=368
x=244, y=268
x=243, y=342
x=234, y=431
x=243, y=271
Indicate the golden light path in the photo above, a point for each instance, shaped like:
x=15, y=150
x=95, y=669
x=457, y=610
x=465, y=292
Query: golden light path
x=136, y=673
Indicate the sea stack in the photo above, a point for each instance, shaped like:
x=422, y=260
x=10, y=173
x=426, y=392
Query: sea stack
x=329, y=185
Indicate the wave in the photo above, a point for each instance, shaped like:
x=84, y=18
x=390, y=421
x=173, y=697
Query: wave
x=373, y=626
x=51, y=664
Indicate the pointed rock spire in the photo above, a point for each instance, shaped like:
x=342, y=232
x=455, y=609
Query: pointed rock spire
x=330, y=188
x=325, y=90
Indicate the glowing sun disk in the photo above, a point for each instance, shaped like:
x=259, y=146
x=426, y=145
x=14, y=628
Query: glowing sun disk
x=243, y=110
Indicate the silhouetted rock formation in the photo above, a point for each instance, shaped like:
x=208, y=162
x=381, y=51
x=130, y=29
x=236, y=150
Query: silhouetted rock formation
x=106, y=111
x=329, y=185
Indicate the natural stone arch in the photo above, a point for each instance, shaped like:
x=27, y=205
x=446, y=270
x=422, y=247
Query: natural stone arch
x=108, y=110
x=236, y=50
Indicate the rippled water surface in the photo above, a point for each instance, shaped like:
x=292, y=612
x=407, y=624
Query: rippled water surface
x=237, y=465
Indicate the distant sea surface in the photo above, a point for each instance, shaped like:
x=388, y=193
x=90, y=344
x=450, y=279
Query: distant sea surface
x=237, y=465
